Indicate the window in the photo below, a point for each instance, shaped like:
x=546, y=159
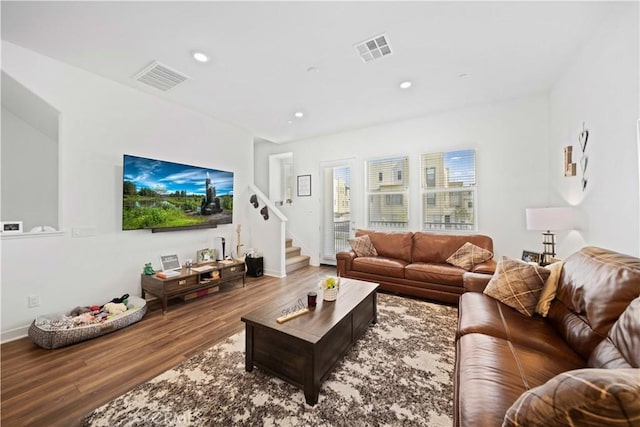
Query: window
x=387, y=193
x=449, y=190
x=393, y=200
x=430, y=174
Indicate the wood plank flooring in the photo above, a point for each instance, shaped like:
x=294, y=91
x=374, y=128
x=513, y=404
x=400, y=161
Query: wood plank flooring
x=58, y=387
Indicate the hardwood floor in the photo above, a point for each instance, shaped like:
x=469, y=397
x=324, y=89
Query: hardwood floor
x=58, y=387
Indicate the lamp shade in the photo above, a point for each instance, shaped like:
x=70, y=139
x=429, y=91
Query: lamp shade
x=551, y=219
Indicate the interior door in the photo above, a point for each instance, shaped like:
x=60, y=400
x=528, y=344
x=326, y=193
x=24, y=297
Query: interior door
x=336, y=209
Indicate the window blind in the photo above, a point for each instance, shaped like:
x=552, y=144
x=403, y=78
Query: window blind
x=448, y=181
x=387, y=192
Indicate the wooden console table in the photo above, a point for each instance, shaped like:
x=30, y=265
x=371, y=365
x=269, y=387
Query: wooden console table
x=200, y=277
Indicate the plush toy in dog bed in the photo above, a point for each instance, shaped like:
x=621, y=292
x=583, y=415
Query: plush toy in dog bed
x=83, y=323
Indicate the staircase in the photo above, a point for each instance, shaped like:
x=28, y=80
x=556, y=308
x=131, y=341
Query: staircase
x=294, y=260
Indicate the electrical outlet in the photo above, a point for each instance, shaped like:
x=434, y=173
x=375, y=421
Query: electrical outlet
x=33, y=301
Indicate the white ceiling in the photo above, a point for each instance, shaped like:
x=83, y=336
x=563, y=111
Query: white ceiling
x=260, y=52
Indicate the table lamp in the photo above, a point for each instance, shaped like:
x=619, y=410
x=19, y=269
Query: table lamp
x=550, y=220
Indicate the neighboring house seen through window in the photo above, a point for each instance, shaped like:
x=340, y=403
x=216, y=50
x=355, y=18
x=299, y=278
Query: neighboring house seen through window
x=449, y=190
x=388, y=193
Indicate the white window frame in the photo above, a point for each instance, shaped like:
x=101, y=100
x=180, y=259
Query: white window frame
x=404, y=193
x=444, y=190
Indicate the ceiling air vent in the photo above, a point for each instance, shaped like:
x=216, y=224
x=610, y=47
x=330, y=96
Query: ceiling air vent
x=160, y=76
x=374, y=48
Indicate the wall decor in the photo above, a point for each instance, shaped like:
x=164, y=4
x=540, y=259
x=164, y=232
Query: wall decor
x=583, y=138
x=569, y=166
x=304, y=185
x=11, y=227
x=265, y=213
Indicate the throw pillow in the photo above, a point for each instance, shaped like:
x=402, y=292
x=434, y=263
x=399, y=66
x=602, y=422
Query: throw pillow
x=469, y=255
x=517, y=284
x=582, y=397
x=549, y=289
x=362, y=246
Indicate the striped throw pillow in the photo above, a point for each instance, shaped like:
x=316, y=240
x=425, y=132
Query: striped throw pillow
x=580, y=398
x=469, y=255
x=517, y=284
x=362, y=246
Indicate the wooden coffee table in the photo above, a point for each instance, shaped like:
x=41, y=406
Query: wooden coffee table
x=303, y=351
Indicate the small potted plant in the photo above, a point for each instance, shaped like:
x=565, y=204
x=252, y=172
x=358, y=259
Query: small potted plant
x=330, y=286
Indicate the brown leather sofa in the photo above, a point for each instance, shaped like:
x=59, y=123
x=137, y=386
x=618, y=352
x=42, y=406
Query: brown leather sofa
x=500, y=353
x=414, y=263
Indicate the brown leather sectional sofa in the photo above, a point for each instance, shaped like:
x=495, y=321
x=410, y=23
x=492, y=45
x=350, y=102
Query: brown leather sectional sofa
x=414, y=263
x=593, y=322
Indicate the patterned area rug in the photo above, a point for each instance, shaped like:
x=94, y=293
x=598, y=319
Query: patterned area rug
x=399, y=373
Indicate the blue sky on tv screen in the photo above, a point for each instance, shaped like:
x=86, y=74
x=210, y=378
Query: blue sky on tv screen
x=167, y=177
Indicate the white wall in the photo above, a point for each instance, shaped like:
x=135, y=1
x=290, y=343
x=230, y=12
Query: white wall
x=512, y=167
x=100, y=121
x=29, y=176
x=601, y=88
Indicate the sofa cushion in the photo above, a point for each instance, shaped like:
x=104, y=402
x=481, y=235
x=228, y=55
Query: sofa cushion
x=583, y=397
x=491, y=373
x=620, y=348
x=479, y=313
x=395, y=245
x=362, y=246
x=443, y=274
x=469, y=255
x=436, y=248
x=596, y=285
x=549, y=289
x=380, y=266
x=517, y=284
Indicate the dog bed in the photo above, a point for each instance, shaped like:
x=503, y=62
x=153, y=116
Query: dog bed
x=46, y=332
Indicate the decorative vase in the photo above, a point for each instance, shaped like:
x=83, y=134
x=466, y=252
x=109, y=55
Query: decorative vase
x=330, y=294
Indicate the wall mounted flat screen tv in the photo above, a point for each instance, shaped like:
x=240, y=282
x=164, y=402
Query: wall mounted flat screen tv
x=163, y=196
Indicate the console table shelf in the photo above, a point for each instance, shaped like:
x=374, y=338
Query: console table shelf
x=200, y=277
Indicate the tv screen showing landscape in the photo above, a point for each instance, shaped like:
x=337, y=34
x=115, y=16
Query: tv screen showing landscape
x=159, y=194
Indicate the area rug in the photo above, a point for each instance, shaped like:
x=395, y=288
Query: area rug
x=398, y=373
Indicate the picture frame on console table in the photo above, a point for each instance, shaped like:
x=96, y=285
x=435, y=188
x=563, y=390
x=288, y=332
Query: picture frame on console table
x=206, y=255
x=528, y=256
x=304, y=185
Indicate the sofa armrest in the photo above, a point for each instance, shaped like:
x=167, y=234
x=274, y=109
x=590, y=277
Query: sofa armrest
x=486, y=267
x=475, y=282
x=344, y=260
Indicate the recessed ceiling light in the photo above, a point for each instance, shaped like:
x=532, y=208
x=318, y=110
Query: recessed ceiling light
x=199, y=56
x=289, y=121
x=299, y=114
x=405, y=85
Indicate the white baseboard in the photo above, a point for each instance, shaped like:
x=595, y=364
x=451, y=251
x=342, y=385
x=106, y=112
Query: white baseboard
x=273, y=273
x=14, y=334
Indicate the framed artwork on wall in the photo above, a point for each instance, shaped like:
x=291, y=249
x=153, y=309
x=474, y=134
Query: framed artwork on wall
x=304, y=185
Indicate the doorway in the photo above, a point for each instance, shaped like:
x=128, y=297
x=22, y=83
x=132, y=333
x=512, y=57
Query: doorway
x=336, y=210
